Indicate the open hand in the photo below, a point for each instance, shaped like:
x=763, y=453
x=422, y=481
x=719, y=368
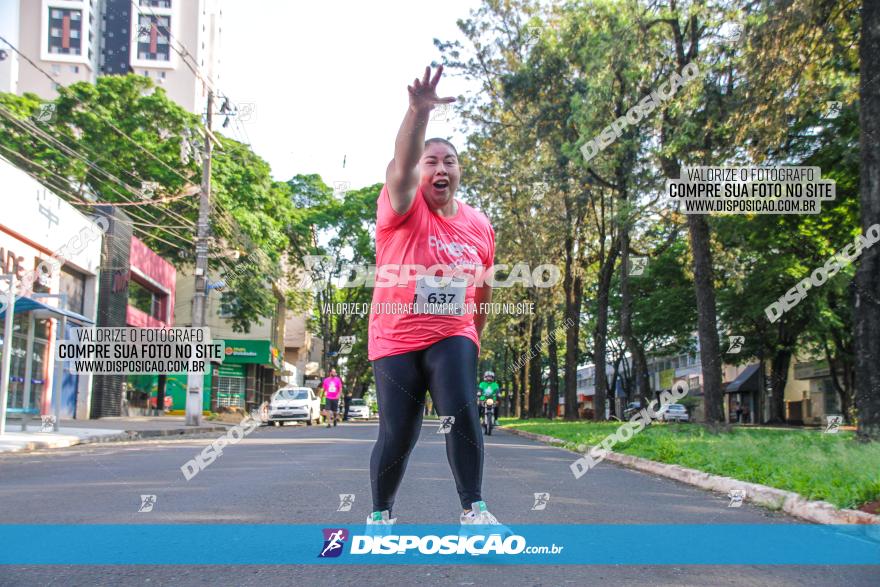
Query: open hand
x=423, y=94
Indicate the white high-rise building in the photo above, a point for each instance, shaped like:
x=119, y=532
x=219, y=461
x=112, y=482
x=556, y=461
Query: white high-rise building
x=174, y=42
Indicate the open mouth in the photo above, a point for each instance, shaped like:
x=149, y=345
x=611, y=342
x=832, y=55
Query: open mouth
x=441, y=184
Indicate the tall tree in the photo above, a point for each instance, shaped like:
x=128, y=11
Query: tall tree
x=867, y=298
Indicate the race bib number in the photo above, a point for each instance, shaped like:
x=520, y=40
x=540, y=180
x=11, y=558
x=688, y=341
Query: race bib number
x=440, y=296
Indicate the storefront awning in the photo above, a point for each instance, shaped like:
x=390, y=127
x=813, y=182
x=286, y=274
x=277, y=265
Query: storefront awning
x=31, y=305
x=745, y=382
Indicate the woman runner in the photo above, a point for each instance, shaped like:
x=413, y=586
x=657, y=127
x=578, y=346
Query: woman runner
x=420, y=224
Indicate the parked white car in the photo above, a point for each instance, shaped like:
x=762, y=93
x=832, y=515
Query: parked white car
x=292, y=404
x=358, y=409
x=673, y=413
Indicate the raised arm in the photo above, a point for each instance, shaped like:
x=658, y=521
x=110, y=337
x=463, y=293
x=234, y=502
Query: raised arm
x=402, y=174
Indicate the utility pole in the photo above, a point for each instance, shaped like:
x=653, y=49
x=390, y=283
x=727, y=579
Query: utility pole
x=195, y=381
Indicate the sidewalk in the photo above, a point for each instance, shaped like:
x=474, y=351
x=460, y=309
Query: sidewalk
x=114, y=429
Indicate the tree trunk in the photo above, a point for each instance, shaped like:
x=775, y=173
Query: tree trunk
x=866, y=312
x=840, y=368
x=762, y=387
x=600, y=335
x=536, y=390
x=505, y=406
x=553, y=363
x=524, y=396
x=636, y=351
x=626, y=375
x=710, y=352
x=615, y=377
x=698, y=231
x=778, y=378
x=571, y=285
x=516, y=393
x=642, y=378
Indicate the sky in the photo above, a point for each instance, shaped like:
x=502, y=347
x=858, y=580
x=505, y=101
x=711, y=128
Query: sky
x=327, y=79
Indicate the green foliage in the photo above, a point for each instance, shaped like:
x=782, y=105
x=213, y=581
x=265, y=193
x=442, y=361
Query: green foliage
x=819, y=466
x=345, y=227
x=107, y=140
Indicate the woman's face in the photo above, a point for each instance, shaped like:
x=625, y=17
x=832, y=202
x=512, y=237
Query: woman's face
x=440, y=174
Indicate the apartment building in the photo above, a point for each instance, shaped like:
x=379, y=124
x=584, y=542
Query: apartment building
x=176, y=43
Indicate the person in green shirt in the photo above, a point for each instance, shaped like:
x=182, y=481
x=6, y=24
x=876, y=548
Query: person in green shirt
x=489, y=389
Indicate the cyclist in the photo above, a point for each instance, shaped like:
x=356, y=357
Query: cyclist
x=420, y=223
x=489, y=390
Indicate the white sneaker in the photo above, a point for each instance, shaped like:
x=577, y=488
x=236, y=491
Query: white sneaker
x=480, y=516
x=378, y=522
x=382, y=518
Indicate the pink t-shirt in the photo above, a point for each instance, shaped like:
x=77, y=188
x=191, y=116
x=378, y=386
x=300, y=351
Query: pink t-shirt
x=332, y=387
x=421, y=238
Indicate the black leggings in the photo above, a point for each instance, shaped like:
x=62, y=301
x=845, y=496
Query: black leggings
x=448, y=369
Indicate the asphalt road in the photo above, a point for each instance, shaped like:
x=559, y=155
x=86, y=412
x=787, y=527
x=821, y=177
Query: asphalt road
x=294, y=475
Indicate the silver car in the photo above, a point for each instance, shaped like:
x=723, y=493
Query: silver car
x=358, y=409
x=673, y=413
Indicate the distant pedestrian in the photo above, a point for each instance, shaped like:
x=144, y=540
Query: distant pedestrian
x=332, y=386
x=739, y=413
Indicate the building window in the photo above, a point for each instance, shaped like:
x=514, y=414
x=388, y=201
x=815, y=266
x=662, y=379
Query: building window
x=156, y=3
x=73, y=285
x=146, y=300
x=830, y=396
x=64, y=33
x=74, y=68
x=154, y=37
x=56, y=69
x=230, y=391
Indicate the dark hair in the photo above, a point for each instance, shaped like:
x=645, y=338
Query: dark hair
x=442, y=141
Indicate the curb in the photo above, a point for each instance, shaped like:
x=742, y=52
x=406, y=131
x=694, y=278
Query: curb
x=819, y=512
x=125, y=436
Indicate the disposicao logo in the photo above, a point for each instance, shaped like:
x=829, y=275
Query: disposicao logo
x=334, y=540
x=489, y=543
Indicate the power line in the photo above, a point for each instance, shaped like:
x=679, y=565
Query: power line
x=133, y=224
x=40, y=134
x=81, y=202
x=102, y=118
x=231, y=223
x=76, y=201
x=44, y=137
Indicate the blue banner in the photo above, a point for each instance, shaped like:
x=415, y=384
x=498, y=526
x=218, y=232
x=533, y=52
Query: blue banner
x=588, y=544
